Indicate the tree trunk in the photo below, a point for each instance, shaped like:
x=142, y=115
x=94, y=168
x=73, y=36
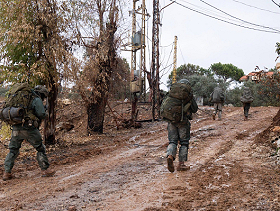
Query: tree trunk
x=49, y=130
x=95, y=113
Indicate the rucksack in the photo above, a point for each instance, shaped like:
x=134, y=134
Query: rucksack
x=17, y=107
x=217, y=95
x=181, y=91
x=172, y=105
x=247, y=96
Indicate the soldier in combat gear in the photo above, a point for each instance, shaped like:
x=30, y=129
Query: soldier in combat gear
x=29, y=131
x=217, y=97
x=179, y=133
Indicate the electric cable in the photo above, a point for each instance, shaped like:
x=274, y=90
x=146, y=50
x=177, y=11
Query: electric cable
x=246, y=27
x=238, y=18
x=208, y=10
x=181, y=53
x=275, y=3
x=256, y=7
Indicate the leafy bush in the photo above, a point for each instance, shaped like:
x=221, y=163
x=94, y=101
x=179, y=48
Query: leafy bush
x=233, y=97
x=5, y=131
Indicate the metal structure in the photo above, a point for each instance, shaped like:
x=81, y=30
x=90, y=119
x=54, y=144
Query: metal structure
x=138, y=82
x=133, y=46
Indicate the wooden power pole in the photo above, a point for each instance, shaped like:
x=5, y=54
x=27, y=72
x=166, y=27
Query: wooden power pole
x=155, y=59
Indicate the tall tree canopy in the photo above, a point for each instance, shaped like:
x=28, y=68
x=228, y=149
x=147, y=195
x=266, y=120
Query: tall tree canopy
x=227, y=71
x=188, y=70
x=34, y=47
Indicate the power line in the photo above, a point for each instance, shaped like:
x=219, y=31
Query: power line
x=275, y=3
x=207, y=10
x=238, y=18
x=275, y=32
x=181, y=53
x=256, y=7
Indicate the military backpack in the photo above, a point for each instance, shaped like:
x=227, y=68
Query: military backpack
x=247, y=96
x=173, y=104
x=17, y=107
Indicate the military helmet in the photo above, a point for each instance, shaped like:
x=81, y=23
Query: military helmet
x=184, y=81
x=41, y=90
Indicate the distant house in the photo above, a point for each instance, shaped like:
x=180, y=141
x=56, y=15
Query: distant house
x=257, y=76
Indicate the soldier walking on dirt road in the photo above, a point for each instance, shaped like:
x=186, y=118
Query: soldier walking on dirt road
x=246, y=99
x=28, y=130
x=217, y=97
x=180, y=132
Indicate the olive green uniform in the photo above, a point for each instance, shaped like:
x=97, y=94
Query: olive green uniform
x=180, y=133
x=217, y=97
x=31, y=134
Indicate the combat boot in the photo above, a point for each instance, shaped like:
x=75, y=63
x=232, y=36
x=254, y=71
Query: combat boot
x=7, y=176
x=48, y=173
x=214, y=116
x=170, y=164
x=182, y=167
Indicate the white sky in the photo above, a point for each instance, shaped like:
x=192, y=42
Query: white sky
x=203, y=40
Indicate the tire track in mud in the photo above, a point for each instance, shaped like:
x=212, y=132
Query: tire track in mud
x=135, y=177
x=229, y=178
x=90, y=186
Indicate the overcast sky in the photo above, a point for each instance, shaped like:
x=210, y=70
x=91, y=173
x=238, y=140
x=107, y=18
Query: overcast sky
x=204, y=40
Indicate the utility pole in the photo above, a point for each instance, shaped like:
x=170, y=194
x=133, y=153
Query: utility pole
x=143, y=48
x=155, y=59
x=134, y=48
x=174, y=61
x=138, y=82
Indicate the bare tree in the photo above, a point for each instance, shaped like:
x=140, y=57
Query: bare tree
x=93, y=80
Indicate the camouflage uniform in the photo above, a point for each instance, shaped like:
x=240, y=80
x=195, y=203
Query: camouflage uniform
x=246, y=107
x=246, y=99
x=32, y=135
x=217, y=97
x=180, y=132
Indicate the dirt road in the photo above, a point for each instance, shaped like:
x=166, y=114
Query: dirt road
x=229, y=171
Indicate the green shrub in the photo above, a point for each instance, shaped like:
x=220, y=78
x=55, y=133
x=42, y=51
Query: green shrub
x=5, y=131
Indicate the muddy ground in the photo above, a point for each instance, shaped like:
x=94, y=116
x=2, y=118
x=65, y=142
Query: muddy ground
x=233, y=165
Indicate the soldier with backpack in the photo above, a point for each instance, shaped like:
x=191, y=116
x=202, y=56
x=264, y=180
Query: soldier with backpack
x=25, y=110
x=177, y=109
x=217, y=97
x=246, y=99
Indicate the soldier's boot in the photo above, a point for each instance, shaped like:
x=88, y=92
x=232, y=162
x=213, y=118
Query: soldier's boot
x=182, y=167
x=245, y=118
x=214, y=116
x=7, y=176
x=170, y=164
x=48, y=173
